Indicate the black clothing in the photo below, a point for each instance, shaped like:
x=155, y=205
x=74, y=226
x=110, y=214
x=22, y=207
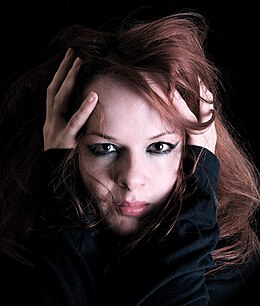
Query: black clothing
x=75, y=266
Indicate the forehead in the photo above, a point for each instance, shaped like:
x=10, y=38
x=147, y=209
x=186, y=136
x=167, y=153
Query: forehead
x=110, y=89
x=121, y=105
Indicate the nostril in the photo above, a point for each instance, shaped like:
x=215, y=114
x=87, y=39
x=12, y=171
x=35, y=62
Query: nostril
x=129, y=171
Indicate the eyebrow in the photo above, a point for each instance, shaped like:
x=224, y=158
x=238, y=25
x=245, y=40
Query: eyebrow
x=102, y=135
x=160, y=135
x=106, y=136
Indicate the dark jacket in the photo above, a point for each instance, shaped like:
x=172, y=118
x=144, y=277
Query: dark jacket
x=75, y=266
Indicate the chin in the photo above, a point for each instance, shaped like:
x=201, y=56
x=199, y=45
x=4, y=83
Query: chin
x=124, y=226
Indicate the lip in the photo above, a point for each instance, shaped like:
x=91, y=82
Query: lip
x=132, y=209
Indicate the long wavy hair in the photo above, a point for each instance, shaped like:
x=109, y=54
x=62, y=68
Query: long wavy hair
x=171, y=51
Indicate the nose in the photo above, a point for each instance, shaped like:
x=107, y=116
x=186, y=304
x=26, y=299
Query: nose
x=130, y=172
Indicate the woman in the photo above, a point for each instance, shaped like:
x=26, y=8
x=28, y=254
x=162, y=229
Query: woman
x=127, y=186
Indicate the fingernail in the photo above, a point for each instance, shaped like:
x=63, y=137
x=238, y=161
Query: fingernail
x=77, y=62
x=91, y=97
x=69, y=52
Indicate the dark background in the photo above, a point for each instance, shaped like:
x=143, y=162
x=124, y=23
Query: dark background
x=26, y=26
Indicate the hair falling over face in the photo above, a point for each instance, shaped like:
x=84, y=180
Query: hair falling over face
x=168, y=52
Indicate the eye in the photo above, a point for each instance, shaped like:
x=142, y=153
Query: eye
x=161, y=147
x=102, y=149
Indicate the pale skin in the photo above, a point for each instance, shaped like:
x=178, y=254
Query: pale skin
x=131, y=162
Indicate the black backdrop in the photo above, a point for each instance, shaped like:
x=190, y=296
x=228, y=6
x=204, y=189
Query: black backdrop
x=26, y=26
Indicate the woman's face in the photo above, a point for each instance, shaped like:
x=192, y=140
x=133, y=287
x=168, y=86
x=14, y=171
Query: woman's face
x=130, y=161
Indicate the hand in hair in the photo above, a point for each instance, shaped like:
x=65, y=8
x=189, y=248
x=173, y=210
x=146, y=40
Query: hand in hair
x=57, y=132
x=207, y=137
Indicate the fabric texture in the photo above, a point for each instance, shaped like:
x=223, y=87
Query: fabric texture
x=75, y=266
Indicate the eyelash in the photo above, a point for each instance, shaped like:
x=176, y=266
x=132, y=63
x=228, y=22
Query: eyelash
x=171, y=146
x=96, y=149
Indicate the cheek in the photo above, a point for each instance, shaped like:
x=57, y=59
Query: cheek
x=94, y=174
x=167, y=175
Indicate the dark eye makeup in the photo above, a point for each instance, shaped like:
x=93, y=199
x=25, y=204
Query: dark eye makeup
x=161, y=147
x=101, y=149
x=156, y=148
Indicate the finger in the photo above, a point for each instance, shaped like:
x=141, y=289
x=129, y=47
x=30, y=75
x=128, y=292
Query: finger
x=61, y=73
x=80, y=117
x=206, y=103
x=182, y=107
x=206, y=111
x=58, y=78
x=205, y=93
x=206, y=137
x=63, y=96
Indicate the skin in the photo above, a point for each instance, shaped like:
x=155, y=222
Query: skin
x=133, y=155
x=131, y=161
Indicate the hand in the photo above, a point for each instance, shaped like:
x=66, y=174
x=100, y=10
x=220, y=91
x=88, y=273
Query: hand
x=58, y=133
x=206, y=138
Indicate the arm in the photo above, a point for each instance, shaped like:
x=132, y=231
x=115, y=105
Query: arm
x=187, y=250
x=60, y=136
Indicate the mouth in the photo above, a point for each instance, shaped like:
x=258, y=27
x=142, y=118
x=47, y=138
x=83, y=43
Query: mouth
x=132, y=209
